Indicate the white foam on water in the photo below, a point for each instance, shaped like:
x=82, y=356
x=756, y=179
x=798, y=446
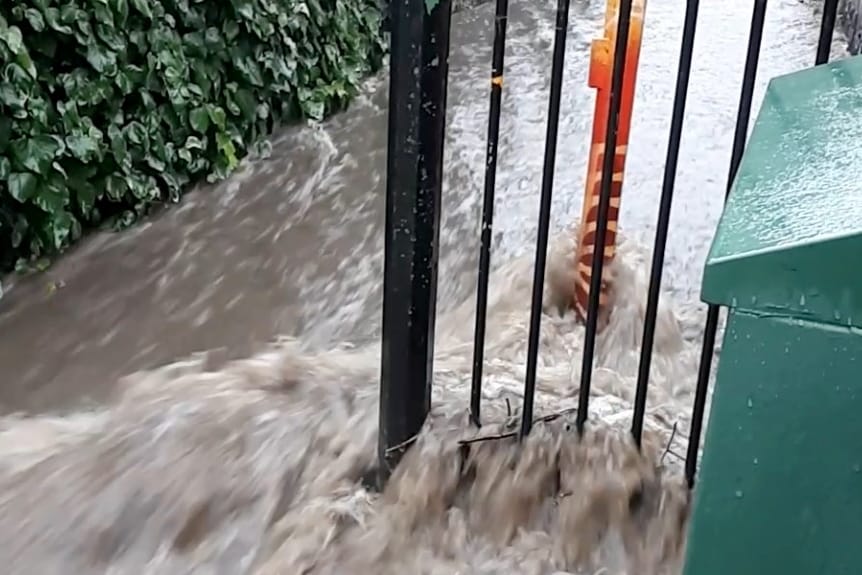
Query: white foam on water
x=257, y=467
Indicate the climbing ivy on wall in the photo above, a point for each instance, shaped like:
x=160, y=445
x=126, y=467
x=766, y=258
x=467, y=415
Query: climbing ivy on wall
x=108, y=107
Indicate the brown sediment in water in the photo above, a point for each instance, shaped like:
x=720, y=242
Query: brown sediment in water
x=257, y=467
x=554, y=503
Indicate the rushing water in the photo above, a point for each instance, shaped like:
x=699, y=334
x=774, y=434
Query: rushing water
x=294, y=244
x=255, y=466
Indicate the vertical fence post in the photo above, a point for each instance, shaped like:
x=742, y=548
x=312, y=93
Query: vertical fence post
x=557, y=69
x=419, y=52
x=500, y=19
x=827, y=28
x=663, y=223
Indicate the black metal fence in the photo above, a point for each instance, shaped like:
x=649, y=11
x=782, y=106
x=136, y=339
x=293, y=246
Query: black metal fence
x=419, y=44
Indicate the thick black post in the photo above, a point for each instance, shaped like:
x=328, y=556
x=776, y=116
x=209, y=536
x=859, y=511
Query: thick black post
x=417, y=106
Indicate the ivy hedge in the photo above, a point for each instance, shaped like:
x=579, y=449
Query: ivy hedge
x=108, y=107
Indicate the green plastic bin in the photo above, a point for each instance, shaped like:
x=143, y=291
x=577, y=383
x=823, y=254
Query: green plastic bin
x=780, y=485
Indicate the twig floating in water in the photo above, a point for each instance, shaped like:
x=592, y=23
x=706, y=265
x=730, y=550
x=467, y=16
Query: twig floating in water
x=669, y=443
x=402, y=445
x=545, y=419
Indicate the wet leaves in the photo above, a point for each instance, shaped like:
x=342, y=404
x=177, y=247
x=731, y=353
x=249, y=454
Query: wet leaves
x=110, y=106
x=23, y=186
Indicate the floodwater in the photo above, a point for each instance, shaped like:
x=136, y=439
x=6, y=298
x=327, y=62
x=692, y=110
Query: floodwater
x=256, y=466
x=293, y=245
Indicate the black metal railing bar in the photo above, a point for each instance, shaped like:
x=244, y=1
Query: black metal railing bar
x=827, y=28
x=500, y=20
x=663, y=224
x=562, y=24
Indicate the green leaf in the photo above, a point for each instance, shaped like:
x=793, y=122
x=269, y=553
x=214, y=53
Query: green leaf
x=121, y=10
x=52, y=198
x=155, y=163
x=17, y=74
x=143, y=6
x=193, y=143
x=199, y=119
x=83, y=146
x=137, y=134
x=250, y=70
x=85, y=29
x=56, y=23
x=81, y=180
x=315, y=109
x=59, y=169
x=193, y=44
x=214, y=39
x=103, y=14
x=218, y=116
x=23, y=186
x=34, y=17
x=116, y=187
x=244, y=8
x=37, y=153
x=13, y=99
x=86, y=196
x=142, y=187
x=101, y=59
x=5, y=168
x=231, y=30
x=124, y=83
x=128, y=79
x=228, y=150
x=112, y=38
x=13, y=39
x=118, y=143
x=61, y=228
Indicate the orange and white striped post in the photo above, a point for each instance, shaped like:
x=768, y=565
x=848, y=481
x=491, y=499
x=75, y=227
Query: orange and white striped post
x=601, y=70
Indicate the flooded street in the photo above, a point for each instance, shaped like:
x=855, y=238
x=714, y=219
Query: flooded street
x=293, y=244
x=253, y=459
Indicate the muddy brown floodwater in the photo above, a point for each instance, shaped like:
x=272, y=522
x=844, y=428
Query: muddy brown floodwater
x=257, y=467
x=219, y=465
x=293, y=244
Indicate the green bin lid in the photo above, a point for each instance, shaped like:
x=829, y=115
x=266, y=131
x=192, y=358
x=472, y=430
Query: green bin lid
x=790, y=239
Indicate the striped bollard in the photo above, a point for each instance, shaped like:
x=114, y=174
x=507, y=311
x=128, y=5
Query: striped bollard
x=601, y=64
